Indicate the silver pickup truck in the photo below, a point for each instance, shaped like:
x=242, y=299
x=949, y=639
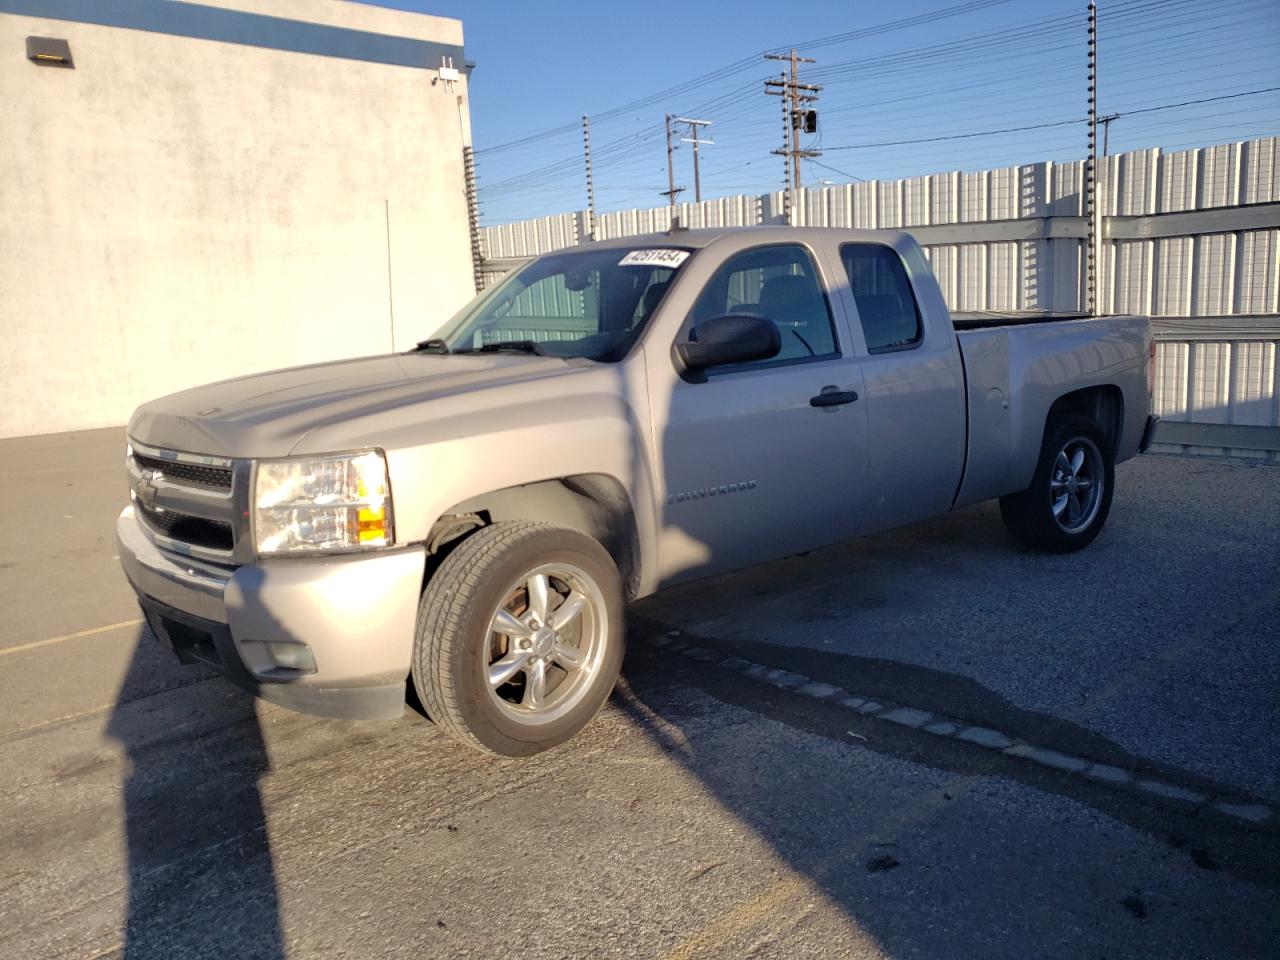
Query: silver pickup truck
x=472, y=515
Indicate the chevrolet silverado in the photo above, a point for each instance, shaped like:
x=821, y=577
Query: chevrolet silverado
x=471, y=516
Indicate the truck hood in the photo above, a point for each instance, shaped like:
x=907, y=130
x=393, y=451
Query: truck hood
x=267, y=414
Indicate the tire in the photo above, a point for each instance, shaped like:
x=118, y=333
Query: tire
x=488, y=669
x=1058, y=513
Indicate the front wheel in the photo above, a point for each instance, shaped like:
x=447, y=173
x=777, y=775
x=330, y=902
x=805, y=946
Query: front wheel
x=520, y=637
x=1070, y=494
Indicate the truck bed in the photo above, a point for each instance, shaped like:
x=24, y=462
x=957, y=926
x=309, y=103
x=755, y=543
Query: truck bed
x=1017, y=365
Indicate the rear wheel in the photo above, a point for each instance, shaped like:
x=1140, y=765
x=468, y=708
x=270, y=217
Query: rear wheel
x=1070, y=495
x=520, y=637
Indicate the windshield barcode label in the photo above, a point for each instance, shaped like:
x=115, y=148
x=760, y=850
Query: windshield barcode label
x=657, y=257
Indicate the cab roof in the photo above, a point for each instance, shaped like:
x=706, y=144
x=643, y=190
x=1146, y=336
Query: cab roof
x=704, y=237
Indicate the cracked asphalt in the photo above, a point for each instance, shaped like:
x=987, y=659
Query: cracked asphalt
x=153, y=811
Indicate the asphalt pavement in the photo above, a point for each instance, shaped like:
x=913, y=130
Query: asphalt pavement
x=929, y=743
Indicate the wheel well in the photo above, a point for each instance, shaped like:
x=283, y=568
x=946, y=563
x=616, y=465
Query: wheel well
x=593, y=504
x=1102, y=404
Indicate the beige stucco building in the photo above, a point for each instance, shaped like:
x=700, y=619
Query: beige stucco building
x=217, y=188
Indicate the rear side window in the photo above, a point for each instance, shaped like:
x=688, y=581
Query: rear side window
x=886, y=305
x=779, y=283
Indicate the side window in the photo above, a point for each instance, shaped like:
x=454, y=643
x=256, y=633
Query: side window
x=781, y=284
x=886, y=304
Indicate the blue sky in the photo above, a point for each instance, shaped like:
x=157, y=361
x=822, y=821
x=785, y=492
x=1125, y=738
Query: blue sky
x=946, y=74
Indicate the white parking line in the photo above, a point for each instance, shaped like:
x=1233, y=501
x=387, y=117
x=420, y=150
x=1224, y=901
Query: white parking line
x=80, y=715
x=70, y=636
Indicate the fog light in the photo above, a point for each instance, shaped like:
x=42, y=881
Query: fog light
x=291, y=656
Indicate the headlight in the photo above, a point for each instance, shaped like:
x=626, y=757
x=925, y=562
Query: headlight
x=323, y=504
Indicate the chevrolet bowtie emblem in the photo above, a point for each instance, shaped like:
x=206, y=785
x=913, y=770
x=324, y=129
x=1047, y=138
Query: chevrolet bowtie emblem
x=147, y=489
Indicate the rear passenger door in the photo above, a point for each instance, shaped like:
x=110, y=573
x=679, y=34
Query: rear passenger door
x=913, y=389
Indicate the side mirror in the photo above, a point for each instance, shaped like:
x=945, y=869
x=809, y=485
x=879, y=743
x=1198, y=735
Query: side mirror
x=736, y=338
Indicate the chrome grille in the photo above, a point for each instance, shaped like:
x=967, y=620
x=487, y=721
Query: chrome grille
x=180, y=472
x=191, y=504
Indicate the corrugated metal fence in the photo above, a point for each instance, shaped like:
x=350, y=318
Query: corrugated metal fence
x=1192, y=238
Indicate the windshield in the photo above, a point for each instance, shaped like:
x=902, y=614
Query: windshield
x=580, y=303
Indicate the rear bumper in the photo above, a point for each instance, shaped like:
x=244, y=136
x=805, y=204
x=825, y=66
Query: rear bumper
x=1149, y=433
x=331, y=636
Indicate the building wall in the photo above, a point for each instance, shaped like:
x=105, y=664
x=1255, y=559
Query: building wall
x=181, y=209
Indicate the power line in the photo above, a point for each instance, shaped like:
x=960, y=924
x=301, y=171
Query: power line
x=918, y=20
x=883, y=72
x=1033, y=37
x=959, y=47
x=1189, y=103
x=827, y=166
x=1055, y=123
x=904, y=60
x=958, y=136
x=1163, y=34
x=745, y=63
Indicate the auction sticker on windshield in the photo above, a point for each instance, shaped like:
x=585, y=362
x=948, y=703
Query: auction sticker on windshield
x=655, y=257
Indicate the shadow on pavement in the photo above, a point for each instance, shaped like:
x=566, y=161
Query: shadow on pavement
x=946, y=854
x=201, y=882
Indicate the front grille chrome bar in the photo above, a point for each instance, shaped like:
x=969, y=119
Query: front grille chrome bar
x=177, y=456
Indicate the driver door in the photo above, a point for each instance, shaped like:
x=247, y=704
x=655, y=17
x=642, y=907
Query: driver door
x=755, y=462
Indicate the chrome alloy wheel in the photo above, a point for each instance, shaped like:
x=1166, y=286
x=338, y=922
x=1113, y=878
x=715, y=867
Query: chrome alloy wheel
x=546, y=642
x=1076, y=484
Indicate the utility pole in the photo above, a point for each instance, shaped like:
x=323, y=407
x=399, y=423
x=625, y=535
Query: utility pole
x=694, y=126
x=798, y=117
x=591, y=190
x=1093, y=206
x=786, y=142
x=1106, y=131
x=672, y=189
x=786, y=138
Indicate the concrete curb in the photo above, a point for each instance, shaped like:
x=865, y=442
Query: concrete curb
x=1242, y=811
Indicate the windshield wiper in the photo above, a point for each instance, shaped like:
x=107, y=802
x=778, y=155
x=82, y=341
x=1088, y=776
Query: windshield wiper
x=434, y=345
x=517, y=346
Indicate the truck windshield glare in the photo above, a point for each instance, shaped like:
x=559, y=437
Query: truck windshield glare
x=589, y=304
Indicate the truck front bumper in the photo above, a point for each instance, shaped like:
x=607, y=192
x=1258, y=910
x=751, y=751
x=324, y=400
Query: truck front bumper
x=331, y=636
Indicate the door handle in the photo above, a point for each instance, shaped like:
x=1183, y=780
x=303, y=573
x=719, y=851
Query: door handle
x=833, y=397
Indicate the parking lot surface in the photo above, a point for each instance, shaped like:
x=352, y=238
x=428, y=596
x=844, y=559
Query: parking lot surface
x=929, y=743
